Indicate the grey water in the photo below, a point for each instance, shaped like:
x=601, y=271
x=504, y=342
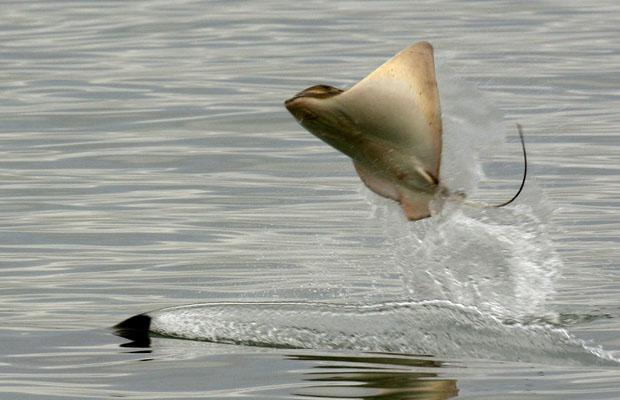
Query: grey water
x=147, y=162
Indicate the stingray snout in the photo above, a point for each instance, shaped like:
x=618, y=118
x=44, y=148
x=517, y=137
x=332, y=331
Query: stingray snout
x=301, y=109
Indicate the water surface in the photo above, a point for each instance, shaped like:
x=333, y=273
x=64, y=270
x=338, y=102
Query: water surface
x=146, y=161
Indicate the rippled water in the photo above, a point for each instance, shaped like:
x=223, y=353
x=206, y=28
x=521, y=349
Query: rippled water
x=146, y=161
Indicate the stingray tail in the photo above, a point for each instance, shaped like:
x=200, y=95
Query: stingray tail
x=484, y=205
x=520, y=130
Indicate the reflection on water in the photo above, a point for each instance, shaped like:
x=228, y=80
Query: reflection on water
x=375, y=377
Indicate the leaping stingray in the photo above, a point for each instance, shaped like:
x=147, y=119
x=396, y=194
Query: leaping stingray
x=389, y=124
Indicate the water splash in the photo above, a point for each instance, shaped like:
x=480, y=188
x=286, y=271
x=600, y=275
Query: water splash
x=422, y=328
x=474, y=279
x=500, y=261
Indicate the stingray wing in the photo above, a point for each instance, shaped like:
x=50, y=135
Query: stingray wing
x=389, y=123
x=399, y=103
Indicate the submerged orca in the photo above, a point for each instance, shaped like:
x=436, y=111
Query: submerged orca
x=389, y=124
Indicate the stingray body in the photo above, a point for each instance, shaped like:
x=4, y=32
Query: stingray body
x=389, y=124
